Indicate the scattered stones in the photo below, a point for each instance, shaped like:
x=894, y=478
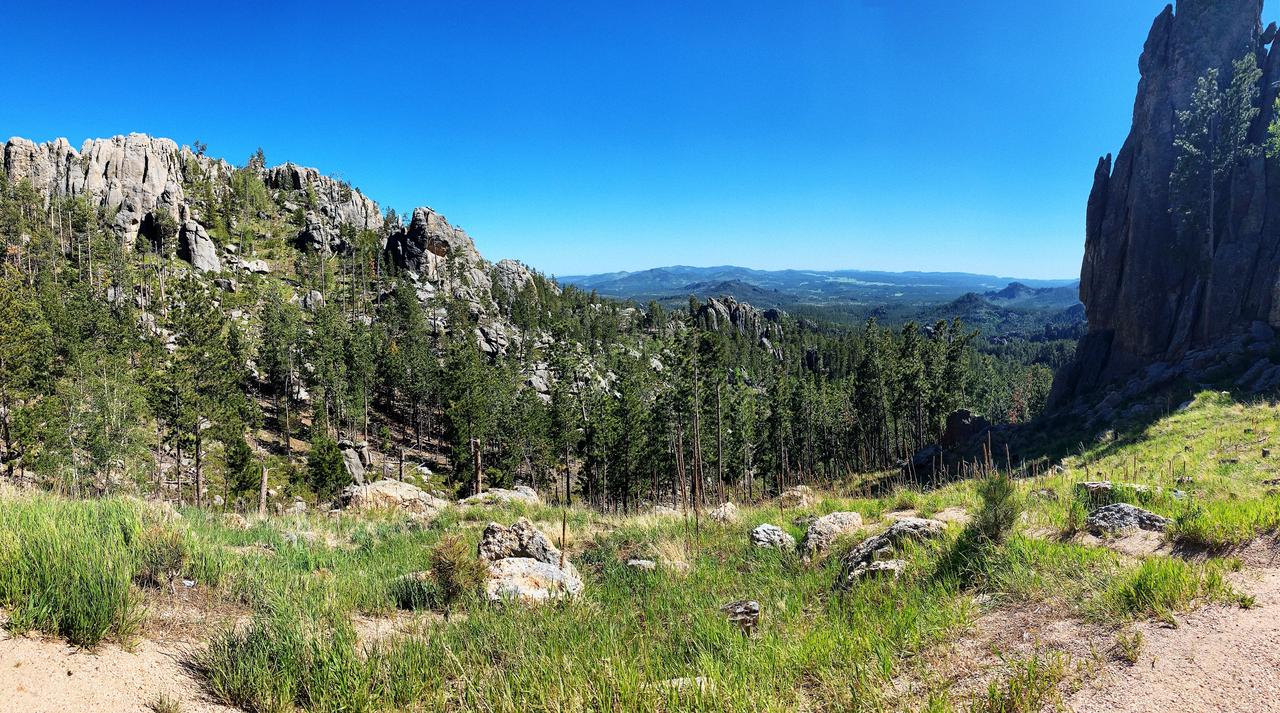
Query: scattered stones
x=495, y=496
x=745, y=613
x=797, y=496
x=726, y=513
x=234, y=521
x=824, y=531
x=773, y=537
x=1119, y=517
x=525, y=566
x=903, y=530
x=664, y=511
x=643, y=565
x=392, y=495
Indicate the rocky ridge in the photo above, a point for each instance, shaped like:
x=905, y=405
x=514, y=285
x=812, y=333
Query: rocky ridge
x=1165, y=303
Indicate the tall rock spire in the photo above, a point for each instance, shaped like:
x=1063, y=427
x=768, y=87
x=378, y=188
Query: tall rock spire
x=1154, y=293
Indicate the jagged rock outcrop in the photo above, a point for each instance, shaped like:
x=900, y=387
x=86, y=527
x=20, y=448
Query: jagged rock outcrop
x=132, y=175
x=1154, y=293
x=328, y=204
x=728, y=314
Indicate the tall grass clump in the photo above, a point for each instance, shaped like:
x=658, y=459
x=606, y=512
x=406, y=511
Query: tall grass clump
x=1031, y=686
x=66, y=567
x=1163, y=585
x=968, y=557
x=1224, y=524
x=286, y=659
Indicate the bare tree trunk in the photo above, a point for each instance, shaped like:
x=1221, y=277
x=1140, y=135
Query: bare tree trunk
x=262, y=491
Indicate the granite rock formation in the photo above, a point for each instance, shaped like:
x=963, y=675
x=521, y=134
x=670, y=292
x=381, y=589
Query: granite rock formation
x=1164, y=302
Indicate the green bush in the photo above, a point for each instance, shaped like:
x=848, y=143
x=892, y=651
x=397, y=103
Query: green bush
x=1000, y=508
x=457, y=571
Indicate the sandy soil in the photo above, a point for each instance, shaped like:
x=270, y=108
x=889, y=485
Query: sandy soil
x=39, y=675
x=1218, y=658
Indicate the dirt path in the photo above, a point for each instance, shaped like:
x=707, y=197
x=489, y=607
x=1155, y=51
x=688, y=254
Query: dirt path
x=1219, y=658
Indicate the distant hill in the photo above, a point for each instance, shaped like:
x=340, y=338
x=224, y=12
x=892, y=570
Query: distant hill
x=851, y=295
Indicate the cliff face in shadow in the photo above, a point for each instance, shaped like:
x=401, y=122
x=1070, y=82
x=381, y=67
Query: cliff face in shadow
x=1162, y=301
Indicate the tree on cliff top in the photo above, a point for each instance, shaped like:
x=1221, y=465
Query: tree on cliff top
x=1212, y=138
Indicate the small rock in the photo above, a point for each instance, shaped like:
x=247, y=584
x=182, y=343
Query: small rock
x=726, y=513
x=1119, y=517
x=865, y=553
x=797, y=496
x=878, y=569
x=744, y=612
x=773, y=537
x=824, y=531
x=644, y=565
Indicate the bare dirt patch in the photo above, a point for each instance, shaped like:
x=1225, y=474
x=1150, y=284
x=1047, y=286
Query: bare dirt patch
x=1218, y=658
x=999, y=637
x=41, y=675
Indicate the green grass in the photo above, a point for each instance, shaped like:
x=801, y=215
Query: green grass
x=67, y=567
x=80, y=569
x=1161, y=586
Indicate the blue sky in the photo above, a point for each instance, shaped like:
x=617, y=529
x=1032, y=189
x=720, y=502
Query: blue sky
x=591, y=137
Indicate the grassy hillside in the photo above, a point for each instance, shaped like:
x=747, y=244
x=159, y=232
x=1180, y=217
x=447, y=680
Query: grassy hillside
x=657, y=640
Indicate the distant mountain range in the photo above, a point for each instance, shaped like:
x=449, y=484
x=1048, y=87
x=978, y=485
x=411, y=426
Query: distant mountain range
x=846, y=289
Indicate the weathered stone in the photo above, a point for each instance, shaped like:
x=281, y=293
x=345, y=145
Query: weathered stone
x=645, y=565
x=879, y=568
x=797, y=496
x=492, y=496
x=906, y=529
x=1120, y=517
x=195, y=246
x=351, y=460
x=393, y=495
x=745, y=614
x=524, y=565
x=726, y=513
x=824, y=531
x=529, y=581
x=773, y=537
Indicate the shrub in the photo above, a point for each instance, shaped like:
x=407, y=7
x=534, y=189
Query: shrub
x=325, y=470
x=162, y=556
x=1000, y=508
x=457, y=571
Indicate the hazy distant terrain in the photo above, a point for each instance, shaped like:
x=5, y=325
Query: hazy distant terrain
x=996, y=303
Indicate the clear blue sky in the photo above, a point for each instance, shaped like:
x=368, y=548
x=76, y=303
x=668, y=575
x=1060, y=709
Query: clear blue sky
x=599, y=136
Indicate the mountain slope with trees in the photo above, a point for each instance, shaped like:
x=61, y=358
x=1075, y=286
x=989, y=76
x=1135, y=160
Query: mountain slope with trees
x=215, y=332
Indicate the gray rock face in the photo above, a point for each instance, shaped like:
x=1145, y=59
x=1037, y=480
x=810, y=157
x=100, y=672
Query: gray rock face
x=906, y=529
x=196, y=247
x=330, y=203
x=355, y=468
x=392, y=495
x=518, y=494
x=1121, y=517
x=428, y=244
x=132, y=174
x=824, y=531
x=727, y=314
x=524, y=565
x=773, y=537
x=1154, y=291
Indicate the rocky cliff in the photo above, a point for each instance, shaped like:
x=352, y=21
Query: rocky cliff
x=1163, y=302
